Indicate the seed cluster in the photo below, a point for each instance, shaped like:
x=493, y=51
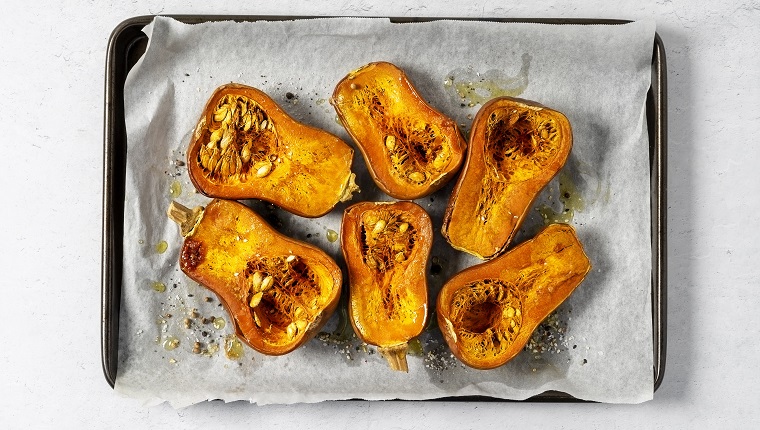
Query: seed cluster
x=518, y=143
x=242, y=141
x=418, y=152
x=283, y=294
x=517, y=146
x=387, y=240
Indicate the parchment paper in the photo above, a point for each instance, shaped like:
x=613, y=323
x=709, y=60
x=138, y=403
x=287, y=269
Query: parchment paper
x=597, y=346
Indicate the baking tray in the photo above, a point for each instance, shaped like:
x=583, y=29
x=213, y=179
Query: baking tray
x=127, y=44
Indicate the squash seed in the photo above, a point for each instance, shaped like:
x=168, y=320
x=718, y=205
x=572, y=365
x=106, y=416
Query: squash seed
x=390, y=142
x=440, y=160
x=417, y=176
x=379, y=226
x=263, y=168
x=256, y=299
x=298, y=312
x=247, y=121
x=256, y=280
x=221, y=113
x=292, y=330
x=267, y=283
x=215, y=137
x=245, y=154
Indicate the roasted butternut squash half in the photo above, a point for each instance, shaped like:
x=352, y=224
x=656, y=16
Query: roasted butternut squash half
x=278, y=291
x=246, y=147
x=488, y=312
x=386, y=247
x=516, y=148
x=410, y=149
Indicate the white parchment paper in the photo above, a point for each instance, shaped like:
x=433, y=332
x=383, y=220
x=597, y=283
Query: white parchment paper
x=597, y=346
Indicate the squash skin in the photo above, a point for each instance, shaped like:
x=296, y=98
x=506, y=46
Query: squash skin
x=221, y=251
x=388, y=303
x=377, y=101
x=507, y=166
x=522, y=286
x=302, y=169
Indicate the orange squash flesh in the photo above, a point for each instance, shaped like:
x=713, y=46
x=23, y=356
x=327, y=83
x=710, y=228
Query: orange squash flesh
x=278, y=291
x=386, y=247
x=246, y=147
x=516, y=148
x=488, y=312
x=410, y=149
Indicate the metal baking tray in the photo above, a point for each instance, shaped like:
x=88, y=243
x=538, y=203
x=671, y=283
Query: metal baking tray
x=127, y=44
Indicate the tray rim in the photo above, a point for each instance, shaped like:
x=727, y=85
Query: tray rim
x=116, y=69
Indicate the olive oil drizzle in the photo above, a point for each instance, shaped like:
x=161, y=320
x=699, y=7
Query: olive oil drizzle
x=473, y=88
x=571, y=200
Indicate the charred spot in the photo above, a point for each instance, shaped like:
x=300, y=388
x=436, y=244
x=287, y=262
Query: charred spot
x=192, y=254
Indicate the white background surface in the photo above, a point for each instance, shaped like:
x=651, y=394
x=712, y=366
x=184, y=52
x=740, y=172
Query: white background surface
x=51, y=92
